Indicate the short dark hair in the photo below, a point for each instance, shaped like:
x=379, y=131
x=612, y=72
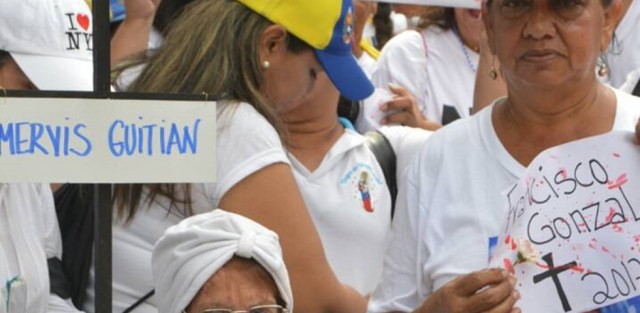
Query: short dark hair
x=4, y=56
x=443, y=17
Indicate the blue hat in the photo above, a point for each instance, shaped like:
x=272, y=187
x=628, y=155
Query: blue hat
x=338, y=61
x=117, y=12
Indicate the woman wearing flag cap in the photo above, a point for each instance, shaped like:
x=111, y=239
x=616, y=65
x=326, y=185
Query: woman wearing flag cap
x=42, y=46
x=256, y=58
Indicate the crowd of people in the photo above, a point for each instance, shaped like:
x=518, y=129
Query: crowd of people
x=305, y=209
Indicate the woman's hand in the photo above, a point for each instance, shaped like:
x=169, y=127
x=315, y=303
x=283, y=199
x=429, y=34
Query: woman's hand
x=403, y=109
x=490, y=291
x=132, y=36
x=141, y=9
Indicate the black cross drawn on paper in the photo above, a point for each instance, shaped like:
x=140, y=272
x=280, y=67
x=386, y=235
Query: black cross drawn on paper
x=554, y=272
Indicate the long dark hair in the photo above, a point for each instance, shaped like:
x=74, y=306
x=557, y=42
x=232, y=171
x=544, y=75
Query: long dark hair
x=211, y=47
x=383, y=24
x=4, y=56
x=442, y=17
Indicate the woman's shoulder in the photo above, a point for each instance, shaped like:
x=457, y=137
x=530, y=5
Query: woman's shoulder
x=406, y=42
x=627, y=110
x=242, y=119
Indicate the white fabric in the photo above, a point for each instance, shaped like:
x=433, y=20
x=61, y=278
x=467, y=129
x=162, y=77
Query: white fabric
x=50, y=40
x=189, y=253
x=353, y=238
x=399, y=21
x=452, y=205
x=246, y=144
x=29, y=235
x=632, y=80
x=438, y=76
x=624, y=54
x=367, y=64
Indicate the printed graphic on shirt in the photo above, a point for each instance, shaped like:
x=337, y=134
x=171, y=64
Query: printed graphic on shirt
x=78, y=32
x=363, y=183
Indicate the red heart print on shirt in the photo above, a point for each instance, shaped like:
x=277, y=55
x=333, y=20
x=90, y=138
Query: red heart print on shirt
x=83, y=21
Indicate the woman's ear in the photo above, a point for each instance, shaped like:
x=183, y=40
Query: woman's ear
x=273, y=40
x=611, y=19
x=488, y=27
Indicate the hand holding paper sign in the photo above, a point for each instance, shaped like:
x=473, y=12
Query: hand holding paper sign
x=490, y=290
x=571, y=234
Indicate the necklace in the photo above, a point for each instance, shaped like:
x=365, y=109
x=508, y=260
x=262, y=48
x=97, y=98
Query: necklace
x=464, y=49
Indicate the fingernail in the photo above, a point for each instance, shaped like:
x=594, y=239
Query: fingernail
x=383, y=106
x=512, y=281
x=393, y=85
x=516, y=295
x=504, y=273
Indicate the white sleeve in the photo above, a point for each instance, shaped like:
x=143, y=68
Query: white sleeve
x=58, y=305
x=402, y=286
x=403, y=61
x=52, y=244
x=52, y=239
x=246, y=144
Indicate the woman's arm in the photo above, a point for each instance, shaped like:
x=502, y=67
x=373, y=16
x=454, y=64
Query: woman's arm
x=271, y=197
x=132, y=36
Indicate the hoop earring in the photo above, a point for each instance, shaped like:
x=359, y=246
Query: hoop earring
x=265, y=65
x=493, y=74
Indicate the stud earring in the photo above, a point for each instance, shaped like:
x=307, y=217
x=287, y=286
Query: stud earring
x=265, y=65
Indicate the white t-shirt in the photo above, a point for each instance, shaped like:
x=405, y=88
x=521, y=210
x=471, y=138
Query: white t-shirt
x=29, y=235
x=633, y=79
x=246, y=143
x=349, y=202
x=452, y=205
x=625, y=56
x=435, y=66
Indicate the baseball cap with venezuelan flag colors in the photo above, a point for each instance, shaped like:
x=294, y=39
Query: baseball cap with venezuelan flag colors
x=327, y=26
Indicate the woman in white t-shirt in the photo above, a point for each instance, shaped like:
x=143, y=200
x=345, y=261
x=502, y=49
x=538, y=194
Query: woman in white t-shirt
x=436, y=63
x=548, y=52
x=254, y=65
x=343, y=184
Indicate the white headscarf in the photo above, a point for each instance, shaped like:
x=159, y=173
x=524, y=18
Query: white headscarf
x=189, y=253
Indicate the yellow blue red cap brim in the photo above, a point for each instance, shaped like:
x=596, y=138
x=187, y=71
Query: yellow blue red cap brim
x=346, y=74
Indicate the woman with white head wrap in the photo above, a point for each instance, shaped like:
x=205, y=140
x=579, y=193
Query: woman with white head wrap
x=192, y=253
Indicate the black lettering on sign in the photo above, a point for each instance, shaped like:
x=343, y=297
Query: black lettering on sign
x=624, y=282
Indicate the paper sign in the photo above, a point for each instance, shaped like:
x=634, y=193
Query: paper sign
x=572, y=235
x=106, y=141
x=472, y=4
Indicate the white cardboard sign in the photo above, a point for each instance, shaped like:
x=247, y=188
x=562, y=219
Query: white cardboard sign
x=572, y=235
x=472, y=4
x=107, y=141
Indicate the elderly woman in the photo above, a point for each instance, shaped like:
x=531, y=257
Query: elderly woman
x=548, y=50
x=220, y=262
